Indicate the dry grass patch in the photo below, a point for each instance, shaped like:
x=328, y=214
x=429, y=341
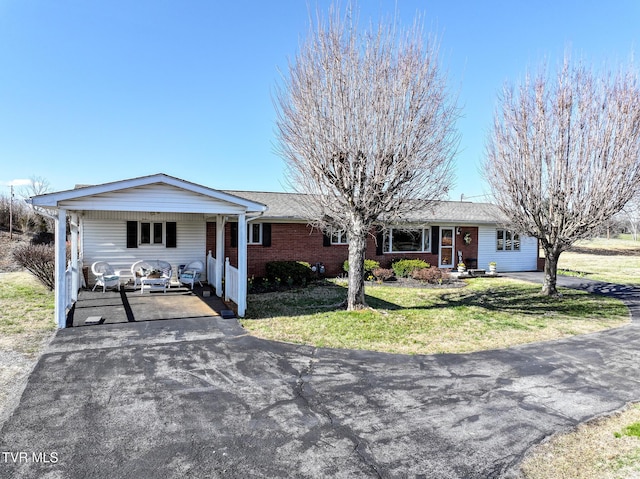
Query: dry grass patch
x=489, y=313
x=26, y=312
x=613, y=260
x=602, y=449
x=26, y=326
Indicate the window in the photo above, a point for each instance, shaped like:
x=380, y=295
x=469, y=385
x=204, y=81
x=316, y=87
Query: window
x=147, y=233
x=339, y=237
x=254, y=233
x=151, y=233
x=403, y=240
x=507, y=240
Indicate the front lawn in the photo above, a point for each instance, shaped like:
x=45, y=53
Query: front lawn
x=26, y=312
x=26, y=325
x=488, y=313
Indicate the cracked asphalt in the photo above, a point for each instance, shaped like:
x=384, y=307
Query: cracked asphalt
x=199, y=398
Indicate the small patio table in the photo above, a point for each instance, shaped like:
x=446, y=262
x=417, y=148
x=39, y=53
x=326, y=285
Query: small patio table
x=154, y=283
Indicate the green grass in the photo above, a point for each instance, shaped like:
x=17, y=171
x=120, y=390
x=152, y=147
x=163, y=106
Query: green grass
x=632, y=430
x=488, y=313
x=613, y=260
x=26, y=312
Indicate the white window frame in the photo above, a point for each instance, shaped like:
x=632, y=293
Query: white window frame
x=426, y=233
x=509, y=246
x=340, y=236
x=152, y=233
x=251, y=236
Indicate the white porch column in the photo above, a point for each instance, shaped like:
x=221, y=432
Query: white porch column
x=75, y=273
x=60, y=265
x=219, y=254
x=242, y=264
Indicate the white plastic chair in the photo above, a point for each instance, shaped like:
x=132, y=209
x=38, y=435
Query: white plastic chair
x=191, y=273
x=105, y=276
x=137, y=273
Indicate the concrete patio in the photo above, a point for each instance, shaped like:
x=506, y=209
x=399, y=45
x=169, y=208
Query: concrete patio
x=128, y=305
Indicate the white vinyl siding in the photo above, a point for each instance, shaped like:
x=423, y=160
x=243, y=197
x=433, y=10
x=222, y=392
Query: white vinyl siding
x=106, y=240
x=155, y=197
x=526, y=259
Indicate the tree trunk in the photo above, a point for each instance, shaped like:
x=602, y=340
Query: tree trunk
x=550, y=273
x=357, y=251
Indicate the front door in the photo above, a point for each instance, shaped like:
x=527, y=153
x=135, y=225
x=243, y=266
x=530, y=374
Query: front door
x=446, y=248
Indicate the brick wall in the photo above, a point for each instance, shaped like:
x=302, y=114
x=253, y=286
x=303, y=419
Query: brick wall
x=300, y=242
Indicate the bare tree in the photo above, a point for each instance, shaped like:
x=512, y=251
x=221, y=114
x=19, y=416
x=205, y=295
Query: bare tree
x=630, y=214
x=564, y=155
x=366, y=128
x=35, y=220
x=38, y=185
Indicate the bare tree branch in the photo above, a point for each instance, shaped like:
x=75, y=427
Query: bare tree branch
x=564, y=155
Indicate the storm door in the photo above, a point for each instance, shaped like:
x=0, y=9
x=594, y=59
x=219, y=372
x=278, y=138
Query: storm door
x=446, y=248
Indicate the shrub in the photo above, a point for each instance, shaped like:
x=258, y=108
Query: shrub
x=382, y=274
x=292, y=272
x=43, y=237
x=404, y=267
x=369, y=266
x=39, y=260
x=431, y=275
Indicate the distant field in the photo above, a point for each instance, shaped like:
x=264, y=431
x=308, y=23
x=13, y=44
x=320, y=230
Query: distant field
x=613, y=260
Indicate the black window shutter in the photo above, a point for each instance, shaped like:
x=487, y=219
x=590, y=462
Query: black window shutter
x=326, y=239
x=380, y=243
x=266, y=234
x=132, y=234
x=435, y=239
x=234, y=234
x=172, y=234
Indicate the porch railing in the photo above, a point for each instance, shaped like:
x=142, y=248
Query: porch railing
x=230, y=282
x=68, y=287
x=211, y=268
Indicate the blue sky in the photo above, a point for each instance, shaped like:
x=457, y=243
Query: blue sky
x=94, y=91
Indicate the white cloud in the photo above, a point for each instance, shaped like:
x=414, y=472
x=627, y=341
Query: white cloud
x=18, y=182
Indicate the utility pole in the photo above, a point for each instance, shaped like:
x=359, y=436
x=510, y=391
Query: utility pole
x=11, y=213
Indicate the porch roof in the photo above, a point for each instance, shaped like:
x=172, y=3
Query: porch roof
x=158, y=193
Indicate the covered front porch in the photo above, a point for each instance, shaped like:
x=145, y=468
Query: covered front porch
x=129, y=306
x=152, y=218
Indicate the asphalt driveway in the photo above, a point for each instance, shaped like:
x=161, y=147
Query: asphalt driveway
x=199, y=398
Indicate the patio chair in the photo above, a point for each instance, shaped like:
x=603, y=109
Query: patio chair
x=137, y=273
x=191, y=273
x=105, y=276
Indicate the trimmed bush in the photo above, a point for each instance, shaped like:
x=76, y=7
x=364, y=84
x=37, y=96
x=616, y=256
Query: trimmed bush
x=382, y=274
x=404, y=267
x=289, y=272
x=431, y=275
x=369, y=266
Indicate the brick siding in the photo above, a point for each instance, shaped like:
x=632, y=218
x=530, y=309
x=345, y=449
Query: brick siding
x=301, y=242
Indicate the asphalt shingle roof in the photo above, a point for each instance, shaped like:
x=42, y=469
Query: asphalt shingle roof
x=292, y=206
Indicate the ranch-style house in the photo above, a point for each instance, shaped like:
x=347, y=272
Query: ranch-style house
x=160, y=217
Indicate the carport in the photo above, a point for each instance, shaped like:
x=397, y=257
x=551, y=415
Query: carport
x=128, y=306
x=147, y=218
